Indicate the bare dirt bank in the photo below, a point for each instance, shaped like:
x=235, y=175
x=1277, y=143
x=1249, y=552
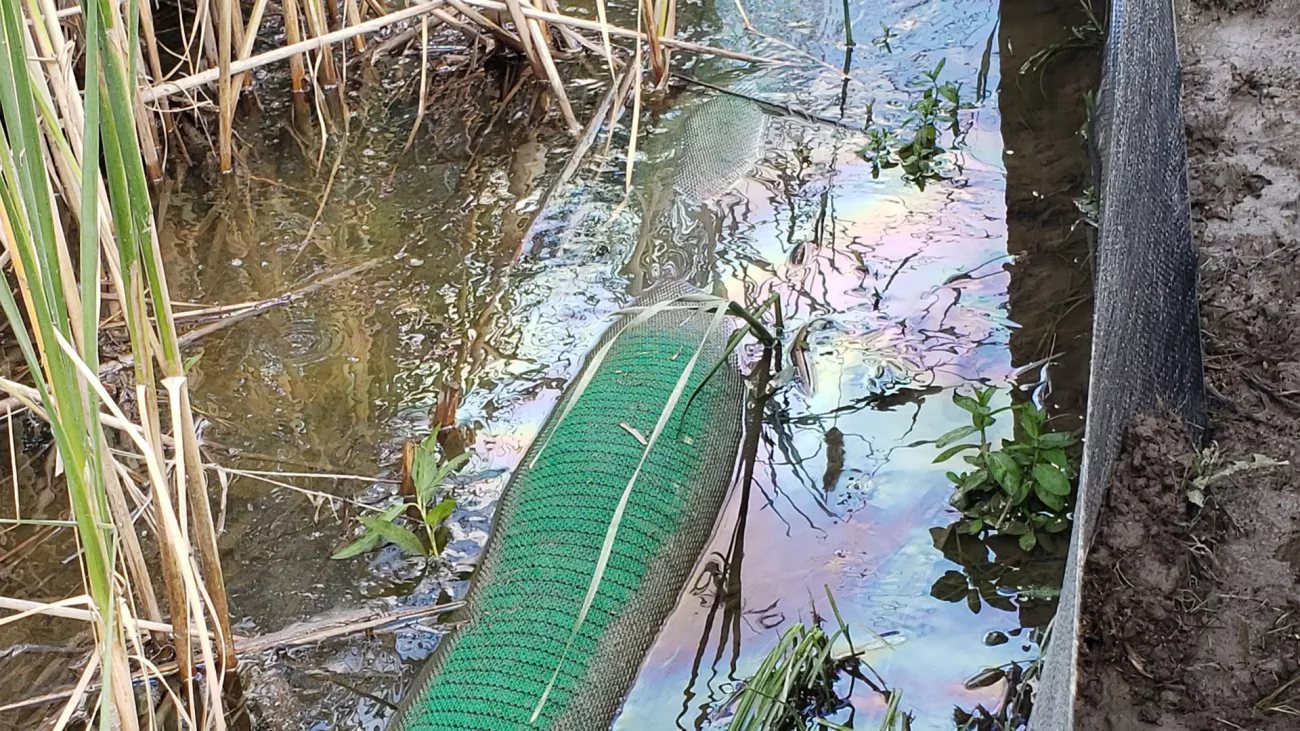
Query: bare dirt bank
x=1191, y=618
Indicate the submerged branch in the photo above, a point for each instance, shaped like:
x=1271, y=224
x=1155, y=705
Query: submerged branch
x=17, y=403
x=296, y=635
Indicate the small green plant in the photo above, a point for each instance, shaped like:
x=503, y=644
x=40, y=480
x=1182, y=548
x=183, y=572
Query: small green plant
x=918, y=153
x=1088, y=125
x=887, y=34
x=1210, y=471
x=936, y=107
x=432, y=507
x=1021, y=488
x=880, y=150
x=938, y=102
x=1089, y=208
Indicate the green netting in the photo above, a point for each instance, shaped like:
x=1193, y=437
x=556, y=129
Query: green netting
x=551, y=524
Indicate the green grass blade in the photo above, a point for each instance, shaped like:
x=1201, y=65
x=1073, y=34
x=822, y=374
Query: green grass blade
x=90, y=192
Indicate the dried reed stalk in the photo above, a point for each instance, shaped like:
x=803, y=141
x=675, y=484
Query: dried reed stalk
x=250, y=35
x=516, y=10
x=354, y=17
x=318, y=27
x=225, y=94
x=291, y=51
x=94, y=152
x=424, y=81
x=541, y=45
x=591, y=25
x=297, y=47
x=297, y=67
x=483, y=21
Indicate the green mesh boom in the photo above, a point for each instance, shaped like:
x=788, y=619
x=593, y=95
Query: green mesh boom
x=551, y=522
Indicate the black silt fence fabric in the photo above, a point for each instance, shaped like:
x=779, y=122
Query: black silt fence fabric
x=1146, y=328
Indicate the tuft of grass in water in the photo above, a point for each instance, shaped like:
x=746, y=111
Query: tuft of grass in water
x=794, y=687
x=794, y=683
x=1020, y=488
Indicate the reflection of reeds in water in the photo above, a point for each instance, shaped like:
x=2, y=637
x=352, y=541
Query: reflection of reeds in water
x=72, y=165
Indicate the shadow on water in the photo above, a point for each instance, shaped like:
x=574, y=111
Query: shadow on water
x=491, y=287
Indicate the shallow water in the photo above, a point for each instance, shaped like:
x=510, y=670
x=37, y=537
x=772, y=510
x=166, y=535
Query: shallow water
x=906, y=293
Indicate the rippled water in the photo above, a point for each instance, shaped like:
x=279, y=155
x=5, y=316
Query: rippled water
x=491, y=288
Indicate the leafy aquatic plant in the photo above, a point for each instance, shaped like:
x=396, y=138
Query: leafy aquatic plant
x=430, y=504
x=916, y=150
x=879, y=150
x=1021, y=488
x=1089, y=208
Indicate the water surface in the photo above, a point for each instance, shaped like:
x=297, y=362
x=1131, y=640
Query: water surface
x=491, y=287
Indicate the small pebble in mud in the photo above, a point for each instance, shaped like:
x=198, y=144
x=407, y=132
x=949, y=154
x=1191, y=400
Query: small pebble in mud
x=995, y=638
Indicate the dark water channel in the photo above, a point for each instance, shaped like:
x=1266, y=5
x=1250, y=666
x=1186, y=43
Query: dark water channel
x=490, y=289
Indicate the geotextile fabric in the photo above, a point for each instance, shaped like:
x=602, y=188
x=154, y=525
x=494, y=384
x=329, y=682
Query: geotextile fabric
x=551, y=523
x=1146, y=327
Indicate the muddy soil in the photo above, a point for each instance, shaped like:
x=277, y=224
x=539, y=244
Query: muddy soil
x=1192, y=619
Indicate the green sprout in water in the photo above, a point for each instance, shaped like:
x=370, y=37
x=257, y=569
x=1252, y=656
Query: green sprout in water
x=887, y=34
x=1089, y=208
x=1021, y=488
x=1089, y=36
x=429, y=504
x=879, y=150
